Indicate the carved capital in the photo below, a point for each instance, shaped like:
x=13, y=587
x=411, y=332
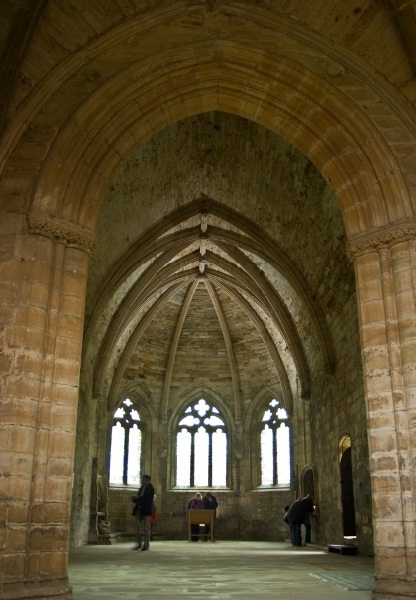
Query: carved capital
x=383, y=237
x=62, y=231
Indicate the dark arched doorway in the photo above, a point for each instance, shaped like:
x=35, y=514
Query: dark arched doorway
x=347, y=491
x=308, y=483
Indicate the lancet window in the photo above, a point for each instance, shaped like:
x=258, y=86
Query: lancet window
x=126, y=445
x=275, y=446
x=201, y=447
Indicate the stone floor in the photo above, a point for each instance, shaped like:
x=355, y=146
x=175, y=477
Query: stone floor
x=223, y=570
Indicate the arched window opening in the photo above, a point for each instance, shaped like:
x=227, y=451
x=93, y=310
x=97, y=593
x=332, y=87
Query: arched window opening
x=126, y=445
x=201, y=447
x=275, y=446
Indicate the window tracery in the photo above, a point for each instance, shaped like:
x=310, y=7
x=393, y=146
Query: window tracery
x=201, y=447
x=126, y=445
x=275, y=446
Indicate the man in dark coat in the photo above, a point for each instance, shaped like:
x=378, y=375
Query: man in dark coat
x=210, y=502
x=142, y=511
x=290, y=513
x=296, y=516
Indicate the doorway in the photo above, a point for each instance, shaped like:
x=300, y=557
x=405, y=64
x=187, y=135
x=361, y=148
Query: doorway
x=347, y=490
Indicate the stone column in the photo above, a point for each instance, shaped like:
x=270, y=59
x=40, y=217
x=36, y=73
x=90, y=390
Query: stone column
x=45, y=282
x=385, y=270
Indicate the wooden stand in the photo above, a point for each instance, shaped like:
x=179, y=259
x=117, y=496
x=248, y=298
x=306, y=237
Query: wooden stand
x=201, y=517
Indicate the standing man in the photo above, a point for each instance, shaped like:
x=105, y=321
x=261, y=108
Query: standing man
x=142, y=512
x=295, y=531
x=210, y=502
x=296, y=517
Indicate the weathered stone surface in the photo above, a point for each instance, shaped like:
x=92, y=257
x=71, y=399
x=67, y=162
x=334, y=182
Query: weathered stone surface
x=180, y=184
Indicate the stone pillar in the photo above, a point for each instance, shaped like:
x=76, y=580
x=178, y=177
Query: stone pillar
x=386, y=290
x=42, y=312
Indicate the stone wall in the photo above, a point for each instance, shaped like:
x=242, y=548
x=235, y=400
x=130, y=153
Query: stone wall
x=241, y=159
x=256, y=516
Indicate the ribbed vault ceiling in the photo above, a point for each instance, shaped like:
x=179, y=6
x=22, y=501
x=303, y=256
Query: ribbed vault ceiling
x=221, y=154
x=223, y=276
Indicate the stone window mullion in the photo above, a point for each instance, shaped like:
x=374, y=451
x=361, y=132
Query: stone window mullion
x=274, y=452
x=126, y=453
x=195, y=454
x=192, y=477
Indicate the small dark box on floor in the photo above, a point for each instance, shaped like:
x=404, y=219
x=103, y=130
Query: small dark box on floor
x=343, y=549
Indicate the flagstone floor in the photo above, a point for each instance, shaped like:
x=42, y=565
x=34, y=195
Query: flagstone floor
x=223, y=570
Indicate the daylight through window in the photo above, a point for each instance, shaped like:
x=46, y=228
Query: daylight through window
x=275, y=446
x=126, y=445
x=201, y=447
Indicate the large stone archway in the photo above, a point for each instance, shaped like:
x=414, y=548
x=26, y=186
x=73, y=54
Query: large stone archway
x=67, y=141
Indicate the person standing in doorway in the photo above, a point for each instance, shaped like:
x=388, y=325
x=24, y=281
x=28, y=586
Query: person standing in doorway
x=142, y=512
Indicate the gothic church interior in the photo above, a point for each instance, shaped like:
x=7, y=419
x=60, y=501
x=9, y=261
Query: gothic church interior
x=207, y=274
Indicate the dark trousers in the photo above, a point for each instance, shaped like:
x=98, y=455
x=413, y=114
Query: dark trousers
x=292, y=539
x=194, y=532
x=295, y=533
x=207, y=530
x=142, y=530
